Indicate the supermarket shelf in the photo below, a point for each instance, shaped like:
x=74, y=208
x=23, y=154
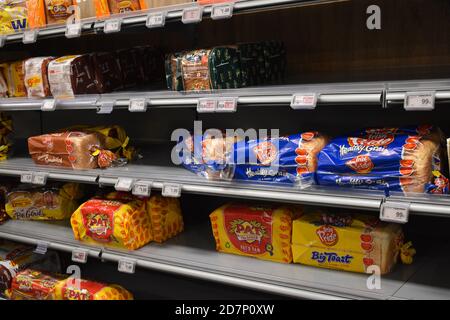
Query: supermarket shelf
x=335, y=94
x=173, y=13
x=157, y=176
x=192, y=255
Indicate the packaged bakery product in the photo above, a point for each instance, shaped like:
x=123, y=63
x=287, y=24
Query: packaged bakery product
x=36, y=79
x=166, y=217
x=128, y=62
x=116, y=223
x=32, y=284
x=409, y=160
x=3, y=83
x=174, y=76
x=351, y=242
x=6, y=128
x=123, y=6
x=71, y=75
x=43, y=203
x=287, y=159
x=216, y=68
x=260, y=231
x=72, y=149
x=107, y=72
x=15, y=78
x=57, y=11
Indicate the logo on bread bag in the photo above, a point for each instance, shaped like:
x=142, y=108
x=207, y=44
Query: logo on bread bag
x=99, y=225
x=71, y=293
x=360, y=164
x=331, y=257
x=327, y=235
x=248, y=231
x=266, y=152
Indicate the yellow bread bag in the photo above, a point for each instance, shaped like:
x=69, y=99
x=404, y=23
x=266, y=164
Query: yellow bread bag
x=36, y=285
x=346, y=242
x=15, y=78
x=120, y=224
x=262, y=232
x=45, y=203
x=165, y=214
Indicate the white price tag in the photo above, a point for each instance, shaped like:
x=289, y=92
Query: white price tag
x=2, y=41
x=156, y=20
x=395, y=212
x=112, y=25
x=171, y=190
x=105, y=107
x=192, y=15
x=127, y=266
x=48, y=105
x=124, y=184
x=222, y=11
x=141, y=189
x=226, y=105
x=40, y=179
x=41, y=247
x=304, y=101
x=26, y=177
x=138, y=105
x=79, y=255
x=29, y=36
x=206, y=105
x=420, y=101
x=73, y=30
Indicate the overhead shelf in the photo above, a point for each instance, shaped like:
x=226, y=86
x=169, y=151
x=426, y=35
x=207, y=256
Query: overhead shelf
x=173, y=13
x=157, y=177
x=192, y=254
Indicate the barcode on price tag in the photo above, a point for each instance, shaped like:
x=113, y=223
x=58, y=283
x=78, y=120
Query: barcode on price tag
x=206, y=105
x=73, y=30
x=41, y=247
x=112, y=25
x=2, y=41
x=124, y=184
x=29, y=36
x=40, y=179
x=394, y=212
x=79, y=255
x=142, y=189
x=192, y=15
x=226, y=105
x=222, y=11
x=304, y=101
x=420, y=101
x=138, y=105
x=26, y=177
x=127, y=266
x=171, y=190
x=48, y=105
x=156, y=20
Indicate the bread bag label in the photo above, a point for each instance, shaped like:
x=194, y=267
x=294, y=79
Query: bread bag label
x=397, y=159
x=86, y=290
x=98, y=219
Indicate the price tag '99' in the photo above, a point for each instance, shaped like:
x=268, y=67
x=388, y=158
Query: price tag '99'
x=192, y=15
x=112, y=25
x=26, y=177
x=395, y=212
x=420, y=101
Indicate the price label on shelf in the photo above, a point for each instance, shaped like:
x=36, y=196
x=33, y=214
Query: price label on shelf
x=397, y=212
x=205, y=105
x=79, y=255
x=142, y=189
x=127, y=266
x=222, y=11
x=420, y=101
x=192, y=15
x=124, y=184
x=226, y=105
x=41, y=247
x=112, y=25
x=304, y=101
x=73, y=30
x=138, y=105
x=48, y=105
x=171, y=190
x=105, y=107
x=2, y=41
x=40, y=178
x=26, y=177
x=29, y=36
x=156, y=20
